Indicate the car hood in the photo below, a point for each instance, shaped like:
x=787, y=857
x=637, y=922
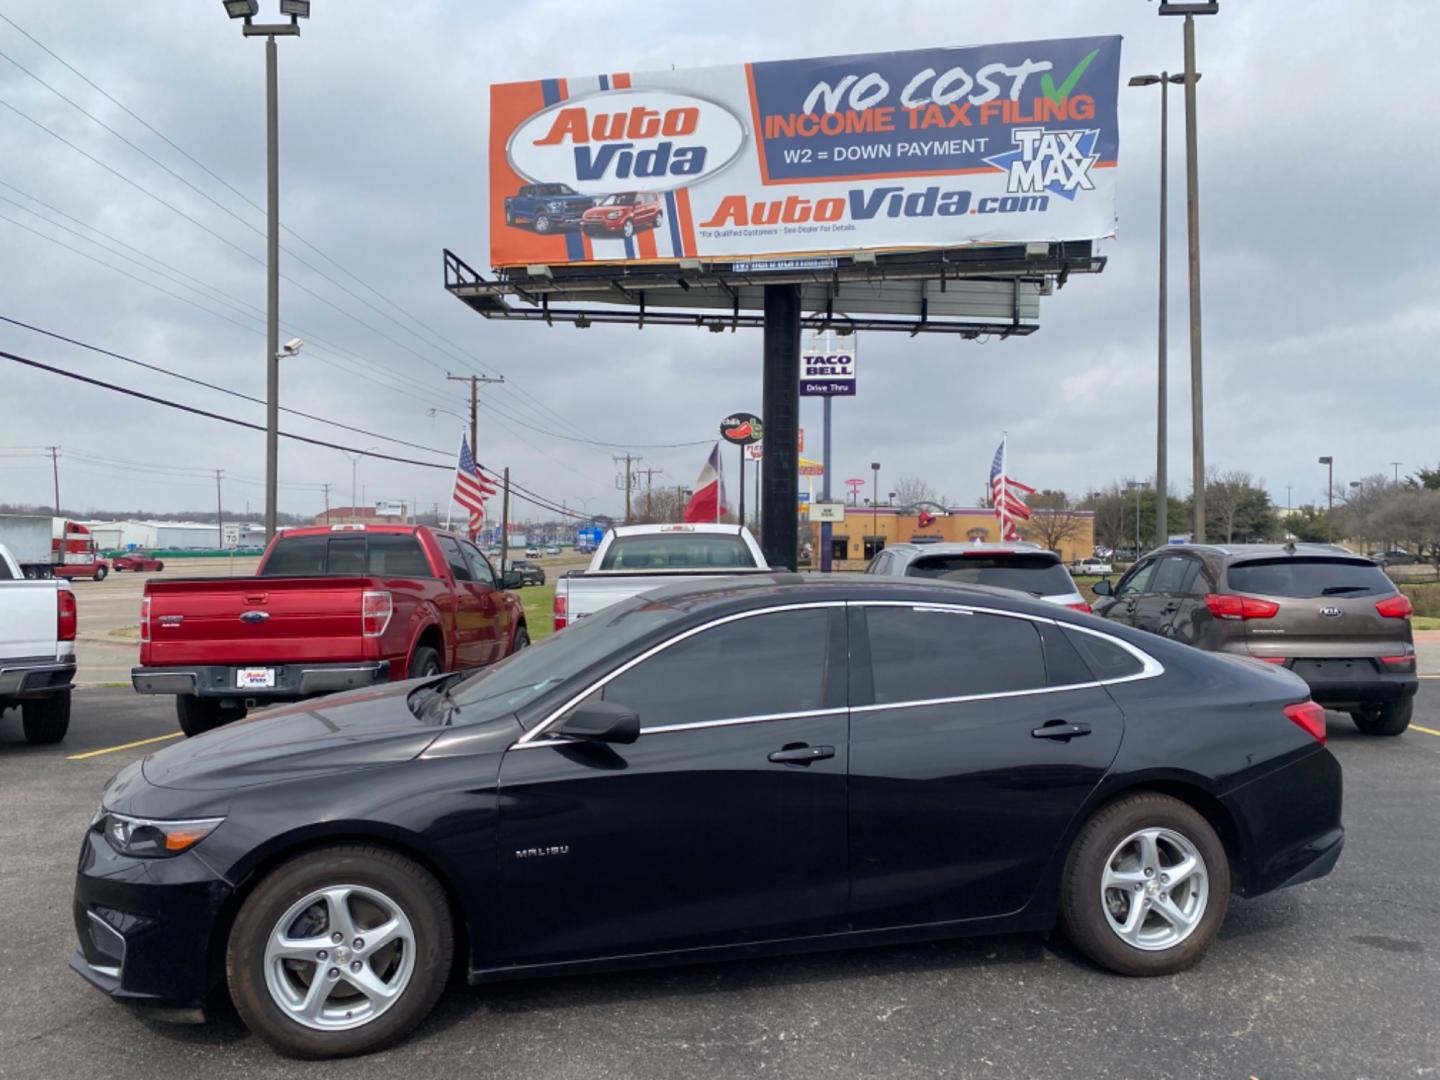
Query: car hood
x=357, y=729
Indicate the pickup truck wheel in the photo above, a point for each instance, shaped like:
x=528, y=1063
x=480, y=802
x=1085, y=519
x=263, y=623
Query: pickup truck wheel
x=542, y=222
x=1388, y=719
x=509, y=216
x=340, y=951
x=198, y=715
x=425, y=663
x=522, y=640
x=100, y=573
x=47, y=719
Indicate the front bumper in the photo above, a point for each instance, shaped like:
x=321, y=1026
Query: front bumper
x=147, y=927
x=292, y=681
x=603, y=227
x=20, y=678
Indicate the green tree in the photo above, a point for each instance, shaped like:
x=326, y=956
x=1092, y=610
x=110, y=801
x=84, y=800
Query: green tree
x=1307, y=523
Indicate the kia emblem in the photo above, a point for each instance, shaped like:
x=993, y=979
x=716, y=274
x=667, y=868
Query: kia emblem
x=1331, y=612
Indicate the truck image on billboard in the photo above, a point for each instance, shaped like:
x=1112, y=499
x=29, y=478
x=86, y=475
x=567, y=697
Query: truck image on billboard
x=927, y=148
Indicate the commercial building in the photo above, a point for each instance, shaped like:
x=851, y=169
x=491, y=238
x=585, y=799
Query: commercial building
x=364, y=515
x=154, y=535
x=867, y=530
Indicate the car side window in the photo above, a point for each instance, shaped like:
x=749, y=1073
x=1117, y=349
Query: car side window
x=1174, y=574
x=479, y=568
x=782, y=655
x=1137, y=580
x=921, y=653
x=881, y=565
x=455, y=557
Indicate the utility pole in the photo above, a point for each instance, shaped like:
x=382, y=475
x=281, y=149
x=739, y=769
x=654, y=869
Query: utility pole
x=474, y=381
x=649, y=483
x=626, y=482
x=326, y=487
x=219, y=513
x=505, y=524
x=1397, y=465
x=55, y=469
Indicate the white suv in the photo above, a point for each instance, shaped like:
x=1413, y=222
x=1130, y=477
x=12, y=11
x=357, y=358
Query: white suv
x=1026, y=568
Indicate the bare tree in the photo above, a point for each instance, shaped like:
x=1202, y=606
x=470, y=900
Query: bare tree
x=910, y=490
x=659, y=505
x=1053, y=520
x=1231, y=499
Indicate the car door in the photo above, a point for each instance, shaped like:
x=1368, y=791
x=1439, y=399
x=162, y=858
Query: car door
x=493, y=627
x=1169, y=585
x=470, y=647
x=1120, y=604
x=975, y=738
x=723, y=823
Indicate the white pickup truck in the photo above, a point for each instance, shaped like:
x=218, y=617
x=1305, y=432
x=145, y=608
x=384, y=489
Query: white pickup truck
x=632, y=559
x=37, y=650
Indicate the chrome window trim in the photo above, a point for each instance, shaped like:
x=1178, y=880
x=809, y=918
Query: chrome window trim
x=730, y=721
x=532, y=737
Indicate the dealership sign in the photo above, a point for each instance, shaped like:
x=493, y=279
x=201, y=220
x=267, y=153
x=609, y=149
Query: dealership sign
x=827, y=366
x=927, y=148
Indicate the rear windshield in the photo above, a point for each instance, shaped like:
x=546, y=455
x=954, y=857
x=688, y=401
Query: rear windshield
x=1040, y=575
x=348, y=555
x=677, y=551
x=1308, y=577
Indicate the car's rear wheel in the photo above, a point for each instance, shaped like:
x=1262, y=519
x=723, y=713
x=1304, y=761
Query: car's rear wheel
x=198, y=715
x=424, y=663
x=46, y=720
x=100, y=573
x=159, y=566
x=1145, y=886
x=522, y=640
x=1389, y=719
x=340, y=951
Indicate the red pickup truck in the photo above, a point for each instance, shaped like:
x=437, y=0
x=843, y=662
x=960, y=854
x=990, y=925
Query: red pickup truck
x=329, y=608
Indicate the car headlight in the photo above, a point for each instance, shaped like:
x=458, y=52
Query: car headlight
x=148, y=838
x=613, y=214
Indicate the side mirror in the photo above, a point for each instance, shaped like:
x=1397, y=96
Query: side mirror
x=1102, y=588
x=512, y=579
x=602, y=721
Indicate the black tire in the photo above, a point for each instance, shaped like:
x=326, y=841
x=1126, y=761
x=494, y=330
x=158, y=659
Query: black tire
x=1389, y=719
x=424, y=663
x=401, y=880
x=509, y=216
x=30, y=573
x=198, y=715
x=522, y=640
x=159, y=566
x=1082, y=910
x=542, y=222
x=46, y=720
x=100, y=573
x=628, y=229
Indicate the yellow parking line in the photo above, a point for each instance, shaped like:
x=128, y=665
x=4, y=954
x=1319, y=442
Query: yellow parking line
x=124, y=746
x=1428, y=731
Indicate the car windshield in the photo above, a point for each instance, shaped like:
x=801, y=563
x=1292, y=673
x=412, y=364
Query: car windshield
x=677, y=551
x=1307, y=578
x=554, y=189
x=625, y=199
x=1037, y=574
x=525, y=676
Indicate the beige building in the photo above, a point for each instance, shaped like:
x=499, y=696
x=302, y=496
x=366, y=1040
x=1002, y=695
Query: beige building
x=866, y=531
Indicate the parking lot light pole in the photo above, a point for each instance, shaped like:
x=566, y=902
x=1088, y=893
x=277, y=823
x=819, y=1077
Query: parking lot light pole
x=875, y=505
x=1329, y=462
x=247, y=10
x=1192, y=215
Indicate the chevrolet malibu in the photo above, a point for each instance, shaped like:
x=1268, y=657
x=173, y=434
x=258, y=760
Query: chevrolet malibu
x=735, y=768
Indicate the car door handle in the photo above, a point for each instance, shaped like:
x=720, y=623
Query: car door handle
x=802, y=755
x=1059, y=729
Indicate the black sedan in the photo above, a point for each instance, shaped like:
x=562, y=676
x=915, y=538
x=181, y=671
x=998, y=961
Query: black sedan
x=733, y=769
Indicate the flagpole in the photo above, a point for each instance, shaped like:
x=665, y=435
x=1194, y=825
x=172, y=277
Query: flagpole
x=1000, y=503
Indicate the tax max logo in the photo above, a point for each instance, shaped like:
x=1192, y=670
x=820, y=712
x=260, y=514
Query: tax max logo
x=1054, y=161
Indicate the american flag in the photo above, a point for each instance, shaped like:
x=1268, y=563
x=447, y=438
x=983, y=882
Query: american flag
x=471, y=488
x=1007, y=496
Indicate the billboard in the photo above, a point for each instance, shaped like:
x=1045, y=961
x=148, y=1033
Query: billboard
x=926, y=148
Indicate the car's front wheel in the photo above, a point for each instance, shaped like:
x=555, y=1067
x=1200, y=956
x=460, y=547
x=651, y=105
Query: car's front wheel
x=1145, y=886
x=542, y=222
x=340, y=951
x=1389, y=719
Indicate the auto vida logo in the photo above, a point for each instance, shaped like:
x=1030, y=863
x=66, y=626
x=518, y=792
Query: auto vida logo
x=626, y=140
x=1332, y=612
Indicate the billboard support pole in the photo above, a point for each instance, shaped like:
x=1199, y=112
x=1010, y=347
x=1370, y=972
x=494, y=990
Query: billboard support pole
x=780, y=465
x=825, y=488
x=741, y=514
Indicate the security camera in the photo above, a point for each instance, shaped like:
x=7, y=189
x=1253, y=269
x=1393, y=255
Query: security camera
x=291, y=347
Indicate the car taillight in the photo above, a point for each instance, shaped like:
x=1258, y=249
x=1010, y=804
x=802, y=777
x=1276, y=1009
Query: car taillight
x=375, y=611
x=1395, y=607
x=145, y=619
x=1230, y=606
x=1399, y=663
x=1081, y=606
x=1272, y=659
x=1310, y=717
x=65, y=616
x=562, y=611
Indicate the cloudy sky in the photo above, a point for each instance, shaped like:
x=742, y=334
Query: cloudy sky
x=1318, y=173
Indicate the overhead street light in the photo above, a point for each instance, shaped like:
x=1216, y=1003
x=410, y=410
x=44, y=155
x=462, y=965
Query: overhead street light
x=1329, y=462
x=248, y=10
x=1162, y=382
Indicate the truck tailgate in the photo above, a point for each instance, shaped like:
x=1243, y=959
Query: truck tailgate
x=256, y=620
x=28, y=618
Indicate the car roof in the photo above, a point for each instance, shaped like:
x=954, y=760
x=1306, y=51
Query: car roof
x=955, y=547
x=660, y=530
x=1234, y=552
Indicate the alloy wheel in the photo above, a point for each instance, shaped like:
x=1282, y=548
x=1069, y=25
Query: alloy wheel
x=339, y=958
x=1154, y=889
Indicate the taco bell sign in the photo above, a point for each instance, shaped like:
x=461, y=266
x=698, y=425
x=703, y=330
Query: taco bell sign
x=827, y=367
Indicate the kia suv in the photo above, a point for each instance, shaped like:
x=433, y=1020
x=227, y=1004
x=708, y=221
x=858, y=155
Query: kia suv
x=1026, y=568
x=1329, y=615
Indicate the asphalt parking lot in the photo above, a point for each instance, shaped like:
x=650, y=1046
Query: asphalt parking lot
x=1333, y=979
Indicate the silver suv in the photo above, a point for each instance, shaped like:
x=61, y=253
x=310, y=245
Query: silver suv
x=1327, y=614
x=1026, y=568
